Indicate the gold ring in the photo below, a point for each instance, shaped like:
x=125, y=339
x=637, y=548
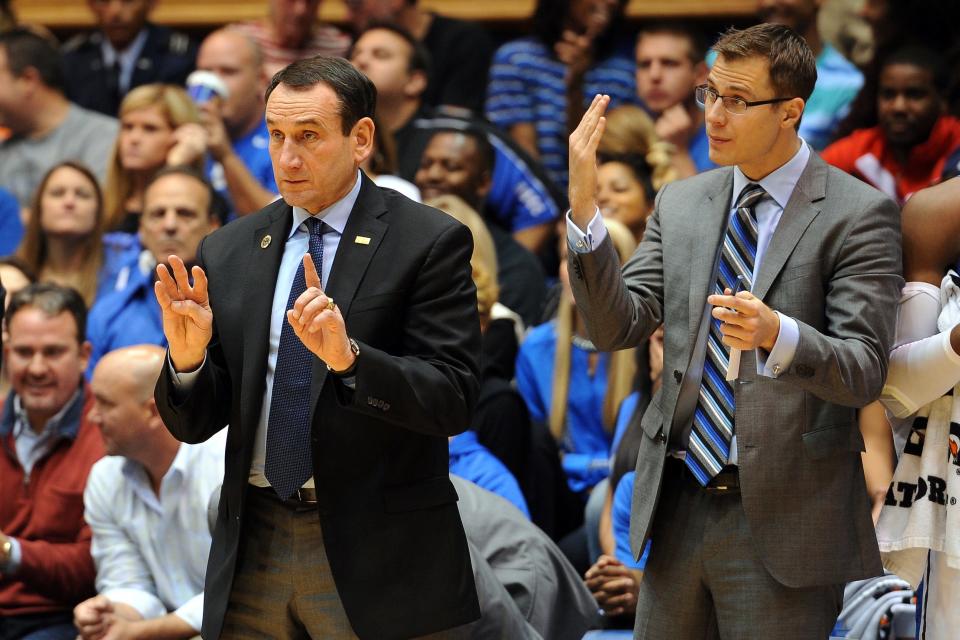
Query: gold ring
x=331, y=305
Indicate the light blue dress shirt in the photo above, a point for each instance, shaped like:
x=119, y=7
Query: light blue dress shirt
x=297, y=244
x=127, y=58
x=779, y=186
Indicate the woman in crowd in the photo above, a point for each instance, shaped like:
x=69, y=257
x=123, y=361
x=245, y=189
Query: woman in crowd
x=63, y=242
x=571, y=386
x=540, y=85
x=159, y=126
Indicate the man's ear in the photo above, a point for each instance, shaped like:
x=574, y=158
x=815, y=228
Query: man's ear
x=416, y=85
x=792, y=110
x=486, y=181
x=362, y=135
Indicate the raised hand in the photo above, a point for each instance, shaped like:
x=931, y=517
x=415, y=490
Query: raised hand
x=583, y=160
x=317, y=321
x=187, y=317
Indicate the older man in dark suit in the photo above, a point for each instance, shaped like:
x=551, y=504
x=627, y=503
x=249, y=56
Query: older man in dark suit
x=337, y=517
x=749, y=480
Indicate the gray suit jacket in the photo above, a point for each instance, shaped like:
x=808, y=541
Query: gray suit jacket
x=833, y=265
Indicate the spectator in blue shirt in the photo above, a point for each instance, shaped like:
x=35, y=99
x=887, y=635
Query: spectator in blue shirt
x=11, y=226
x=237, y=139
x=472, y=461
x=838, y=80
x=670, y=65
x=540, y=85
x=177, y=214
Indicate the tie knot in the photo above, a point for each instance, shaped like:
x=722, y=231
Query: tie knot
x=316, y=226
x=750, y=195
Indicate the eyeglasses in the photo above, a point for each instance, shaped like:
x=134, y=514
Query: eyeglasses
x=737, y=106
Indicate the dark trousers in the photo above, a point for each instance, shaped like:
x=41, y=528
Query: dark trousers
x=704, y=578
x=38, y=626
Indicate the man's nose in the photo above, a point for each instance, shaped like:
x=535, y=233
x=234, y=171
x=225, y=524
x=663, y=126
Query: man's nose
x=715, y=112
x=289, y=156
x=37, y=365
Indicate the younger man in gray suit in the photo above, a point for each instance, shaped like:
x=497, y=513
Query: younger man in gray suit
x=749, y=480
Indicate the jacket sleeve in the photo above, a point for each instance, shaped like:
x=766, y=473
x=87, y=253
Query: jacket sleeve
x=432, y=388
x=61, y=570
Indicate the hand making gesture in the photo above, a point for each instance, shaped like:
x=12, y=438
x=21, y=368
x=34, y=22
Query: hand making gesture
x=317, y=321
x=583, y=161
x=187, y=317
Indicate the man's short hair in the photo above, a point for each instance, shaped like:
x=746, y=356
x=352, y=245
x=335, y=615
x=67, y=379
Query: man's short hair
x=485, y=152
x=24, y=49
x=218, y=206
x=53, y=300
x=355, y=92
x=793, y=67
x=917, y=55
x=420, y=59
x=694, y=36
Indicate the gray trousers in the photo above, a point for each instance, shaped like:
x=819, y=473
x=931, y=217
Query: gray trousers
x=704, y=579
x=283, y=587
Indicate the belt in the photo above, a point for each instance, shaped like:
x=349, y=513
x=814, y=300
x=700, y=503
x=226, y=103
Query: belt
x=727, y=482
x=304, y=498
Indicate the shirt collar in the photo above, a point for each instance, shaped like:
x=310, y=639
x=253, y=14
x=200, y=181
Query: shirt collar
x=134, y=471
x=65, y=424
x=335, y=215
x=110, y=55
x=778, y=184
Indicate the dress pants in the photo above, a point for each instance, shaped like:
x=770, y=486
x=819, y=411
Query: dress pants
x=705, y=580
x=283, y=587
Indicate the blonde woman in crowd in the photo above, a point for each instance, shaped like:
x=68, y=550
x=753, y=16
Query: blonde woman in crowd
x=571, y=386
x=159, y=126
x=63, y=242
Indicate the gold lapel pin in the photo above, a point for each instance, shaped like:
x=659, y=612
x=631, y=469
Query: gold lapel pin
x=362, y=240
x=265, y=242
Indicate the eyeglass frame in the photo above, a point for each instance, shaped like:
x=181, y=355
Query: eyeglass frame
x=706, y=90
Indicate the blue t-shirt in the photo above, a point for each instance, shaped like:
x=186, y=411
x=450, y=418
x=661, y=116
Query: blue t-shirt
x=586, y=444
x=527, y=86
x=472, y=461
x=253, y=149
x=11, y=227
x=620, y=515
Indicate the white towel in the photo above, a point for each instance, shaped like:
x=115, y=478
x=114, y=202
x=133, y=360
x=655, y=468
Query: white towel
x=921, y=510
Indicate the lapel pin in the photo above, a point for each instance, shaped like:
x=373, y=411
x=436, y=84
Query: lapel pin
x=362, y=240
x=265, y=242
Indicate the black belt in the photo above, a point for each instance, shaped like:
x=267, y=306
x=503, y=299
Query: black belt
x=304, y=498
x=727, y=482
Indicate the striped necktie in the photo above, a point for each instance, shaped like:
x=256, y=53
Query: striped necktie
x=289, y=459
x=713, y=421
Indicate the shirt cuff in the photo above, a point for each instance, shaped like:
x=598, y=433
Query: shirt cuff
x=784, y=349
x=581, y=242
x=16, y=557
x=147, y=605
x=192, y=612
x=184, y=380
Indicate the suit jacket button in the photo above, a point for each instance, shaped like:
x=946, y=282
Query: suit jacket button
x=660, y=437
x=371, y=401
x=677, y=375
x=386, y=406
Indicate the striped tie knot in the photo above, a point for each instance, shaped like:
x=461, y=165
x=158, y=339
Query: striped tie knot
x=750, y=195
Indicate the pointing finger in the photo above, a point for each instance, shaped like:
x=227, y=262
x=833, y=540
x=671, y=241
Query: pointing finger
x=310, y=274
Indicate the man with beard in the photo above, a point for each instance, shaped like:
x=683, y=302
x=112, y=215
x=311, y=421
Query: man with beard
x=908, y=148
x=838, y=80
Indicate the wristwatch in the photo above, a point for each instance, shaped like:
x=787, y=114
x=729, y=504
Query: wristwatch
x=355, y=348
x=6, y=550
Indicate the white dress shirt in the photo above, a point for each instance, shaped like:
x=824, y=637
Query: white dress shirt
x=151, y=550
x=779, y=186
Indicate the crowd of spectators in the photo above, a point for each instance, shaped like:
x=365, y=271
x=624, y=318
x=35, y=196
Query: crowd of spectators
x=112, y=158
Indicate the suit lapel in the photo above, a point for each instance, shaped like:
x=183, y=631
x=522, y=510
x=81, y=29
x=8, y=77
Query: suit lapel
x=361, y=238
x=797, y=216
x=708, y=224
x=259, y=287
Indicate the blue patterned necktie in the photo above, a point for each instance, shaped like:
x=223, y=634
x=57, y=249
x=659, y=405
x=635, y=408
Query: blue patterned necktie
x=713, y=421
x=289, y=463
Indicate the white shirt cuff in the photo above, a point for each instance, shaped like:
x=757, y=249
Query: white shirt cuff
x=191, y=612
x=147, y=605
x=184, y=380
x=784, y=349
x=581, y=242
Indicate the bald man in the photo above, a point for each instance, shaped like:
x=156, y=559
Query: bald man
x=146, y=503
x=236, y=132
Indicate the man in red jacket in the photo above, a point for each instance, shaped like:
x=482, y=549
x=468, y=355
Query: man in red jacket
x=49, y=446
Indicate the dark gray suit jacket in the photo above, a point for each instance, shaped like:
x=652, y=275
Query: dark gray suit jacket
x=833, y=265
